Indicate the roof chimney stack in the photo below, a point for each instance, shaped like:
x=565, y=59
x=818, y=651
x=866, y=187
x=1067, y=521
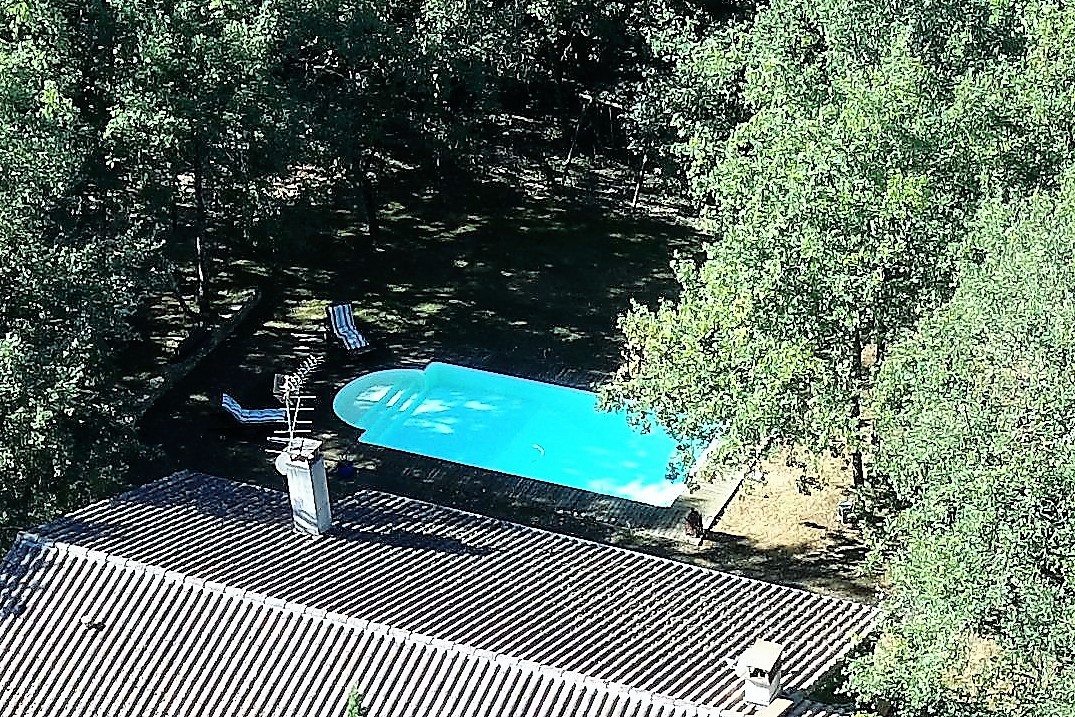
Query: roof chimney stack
x=759, y=666
x=307, y=485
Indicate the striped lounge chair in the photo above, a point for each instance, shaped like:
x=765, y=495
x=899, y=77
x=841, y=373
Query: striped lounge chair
x=247, y=416
x=342, y=328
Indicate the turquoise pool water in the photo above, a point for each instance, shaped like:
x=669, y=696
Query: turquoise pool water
x=512, y=425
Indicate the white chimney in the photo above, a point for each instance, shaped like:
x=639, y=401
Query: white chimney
x=759, y=666
x=307, y=485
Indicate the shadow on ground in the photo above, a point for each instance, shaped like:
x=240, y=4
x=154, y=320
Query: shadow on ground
x=482, y=275
x=833, y=569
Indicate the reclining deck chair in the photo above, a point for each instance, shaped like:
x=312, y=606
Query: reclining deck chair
x=342, y=328
x=248, y=417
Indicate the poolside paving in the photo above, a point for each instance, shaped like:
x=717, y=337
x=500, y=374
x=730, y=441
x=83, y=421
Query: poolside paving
x=664, y=523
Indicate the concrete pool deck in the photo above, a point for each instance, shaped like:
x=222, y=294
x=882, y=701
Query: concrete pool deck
x=506, y=496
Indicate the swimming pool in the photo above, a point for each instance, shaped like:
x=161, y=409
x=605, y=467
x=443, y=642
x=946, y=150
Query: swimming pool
x=512, y=425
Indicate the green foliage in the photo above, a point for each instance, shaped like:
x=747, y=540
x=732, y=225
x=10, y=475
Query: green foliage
x=881, y=181
x=422, y=80
x=354, y=705
x=73, y=270
x=891, y=179
x=975, y=412
x=839, y=202
x=193, y=101
x=834, y=221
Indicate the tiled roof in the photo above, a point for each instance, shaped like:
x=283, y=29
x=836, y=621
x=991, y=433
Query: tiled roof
x=193, y=596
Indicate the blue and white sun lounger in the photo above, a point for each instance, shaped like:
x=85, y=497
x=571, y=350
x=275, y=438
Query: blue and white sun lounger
x=341, y=324
x=247, y=416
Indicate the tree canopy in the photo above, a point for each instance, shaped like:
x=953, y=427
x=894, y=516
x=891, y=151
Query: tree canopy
x=887, y=192
x=73, y=270
x=838, y=206
x=977, y=455
x=888, y=281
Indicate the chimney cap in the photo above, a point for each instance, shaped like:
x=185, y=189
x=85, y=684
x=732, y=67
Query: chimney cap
x=763, y=655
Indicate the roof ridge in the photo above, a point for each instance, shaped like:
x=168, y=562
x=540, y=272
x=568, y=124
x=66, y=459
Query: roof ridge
x=695, y=709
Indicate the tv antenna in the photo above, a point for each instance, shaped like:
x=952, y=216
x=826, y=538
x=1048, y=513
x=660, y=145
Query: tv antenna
x=288, y=389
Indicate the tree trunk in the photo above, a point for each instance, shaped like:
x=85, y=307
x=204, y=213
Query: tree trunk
x=574, y=141
x=638, y=180
x=173, y=283
x=173, y=208
x=858, y=472
x=369, y=200
x=201, y=253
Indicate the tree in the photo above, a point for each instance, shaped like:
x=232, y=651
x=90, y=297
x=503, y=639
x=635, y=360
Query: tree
x=198, y=118
x=838, y=207
x=977, y=465
x=73, y=269
x=833, y=232
x=372, y=79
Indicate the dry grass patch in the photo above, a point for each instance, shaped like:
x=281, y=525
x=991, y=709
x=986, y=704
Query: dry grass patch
x=776, y=514
x=774, y=531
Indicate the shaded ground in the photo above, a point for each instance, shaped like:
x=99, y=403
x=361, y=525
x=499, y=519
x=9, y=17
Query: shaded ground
x=485, y=276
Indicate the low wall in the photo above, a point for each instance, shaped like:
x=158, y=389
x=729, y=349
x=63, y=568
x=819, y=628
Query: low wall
x=173, y=373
